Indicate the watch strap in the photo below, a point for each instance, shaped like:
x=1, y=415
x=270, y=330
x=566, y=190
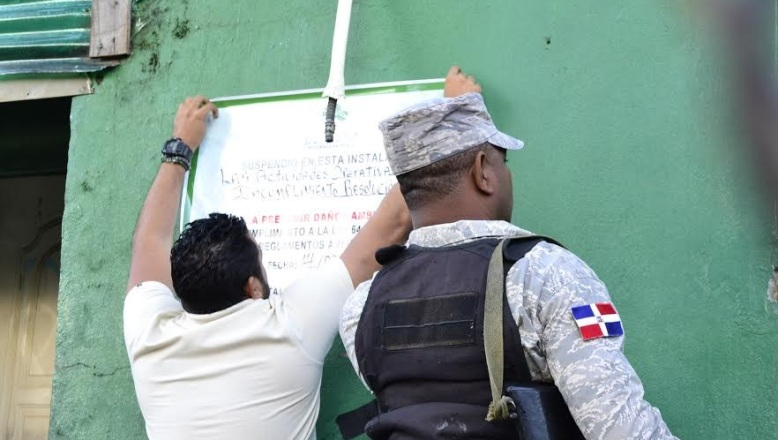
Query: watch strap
x=180, y=160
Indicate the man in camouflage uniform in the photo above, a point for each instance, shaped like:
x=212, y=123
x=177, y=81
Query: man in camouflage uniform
x=449, y=159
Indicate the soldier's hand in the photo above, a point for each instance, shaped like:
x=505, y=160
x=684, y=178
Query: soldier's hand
x=458, y=83
x=191, y=120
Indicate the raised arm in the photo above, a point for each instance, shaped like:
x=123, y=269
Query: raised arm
x=153, y=236
x=390, y=225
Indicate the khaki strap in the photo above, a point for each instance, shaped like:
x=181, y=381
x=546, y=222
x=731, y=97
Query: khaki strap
x=493, y=338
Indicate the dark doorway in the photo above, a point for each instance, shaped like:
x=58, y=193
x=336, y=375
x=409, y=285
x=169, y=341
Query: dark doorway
x=34, y=137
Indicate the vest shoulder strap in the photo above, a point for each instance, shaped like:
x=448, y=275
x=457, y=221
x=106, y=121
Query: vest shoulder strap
x=515, y=249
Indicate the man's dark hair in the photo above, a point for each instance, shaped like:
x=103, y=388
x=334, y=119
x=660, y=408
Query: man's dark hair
x=438, y=179
x=211, y=262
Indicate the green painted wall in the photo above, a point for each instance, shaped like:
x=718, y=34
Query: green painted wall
x=629, y=161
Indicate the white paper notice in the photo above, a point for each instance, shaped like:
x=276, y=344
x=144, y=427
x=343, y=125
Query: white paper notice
x=265, y=160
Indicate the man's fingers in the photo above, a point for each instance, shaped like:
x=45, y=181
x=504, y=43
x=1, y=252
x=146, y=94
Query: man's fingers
x=199, y=106
x=209, y=107
x=190, y=103
x=453, y=70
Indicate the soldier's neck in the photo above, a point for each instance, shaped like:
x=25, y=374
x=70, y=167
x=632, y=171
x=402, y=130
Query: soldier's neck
x=450, y=210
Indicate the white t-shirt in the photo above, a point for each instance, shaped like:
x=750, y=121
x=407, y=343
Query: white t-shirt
x=251, y=371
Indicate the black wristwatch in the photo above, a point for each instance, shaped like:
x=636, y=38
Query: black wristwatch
x=177, y=148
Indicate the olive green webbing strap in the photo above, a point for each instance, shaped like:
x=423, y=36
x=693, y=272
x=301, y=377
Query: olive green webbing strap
x=493, y=337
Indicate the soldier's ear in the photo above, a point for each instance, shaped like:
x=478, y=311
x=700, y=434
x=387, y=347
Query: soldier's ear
x=482, y=175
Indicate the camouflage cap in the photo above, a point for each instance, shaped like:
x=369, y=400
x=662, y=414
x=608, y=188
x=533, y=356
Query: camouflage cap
x=439, y=128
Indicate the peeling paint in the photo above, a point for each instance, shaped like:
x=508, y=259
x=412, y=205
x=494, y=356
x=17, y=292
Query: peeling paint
x=772, y=291
x=181, y=29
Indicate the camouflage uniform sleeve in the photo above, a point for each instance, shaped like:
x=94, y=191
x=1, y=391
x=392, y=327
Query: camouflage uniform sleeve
x=603, y=392
x=349, y=321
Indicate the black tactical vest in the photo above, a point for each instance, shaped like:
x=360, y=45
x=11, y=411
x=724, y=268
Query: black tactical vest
x=419, y=345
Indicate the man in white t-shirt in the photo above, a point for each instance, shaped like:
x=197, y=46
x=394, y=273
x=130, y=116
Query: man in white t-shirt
x=222, y=358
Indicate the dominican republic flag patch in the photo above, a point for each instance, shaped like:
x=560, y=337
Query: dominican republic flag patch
x=598, y=320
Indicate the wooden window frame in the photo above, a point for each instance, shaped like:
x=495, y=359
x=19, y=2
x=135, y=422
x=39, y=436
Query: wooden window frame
x=110, y=39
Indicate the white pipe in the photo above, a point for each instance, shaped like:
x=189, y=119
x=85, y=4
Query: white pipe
x=336, y=85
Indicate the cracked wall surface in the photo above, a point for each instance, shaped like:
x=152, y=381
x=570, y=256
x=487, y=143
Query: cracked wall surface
x=630, y=162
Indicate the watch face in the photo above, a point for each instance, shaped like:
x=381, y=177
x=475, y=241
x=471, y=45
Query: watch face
x=176, y=147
